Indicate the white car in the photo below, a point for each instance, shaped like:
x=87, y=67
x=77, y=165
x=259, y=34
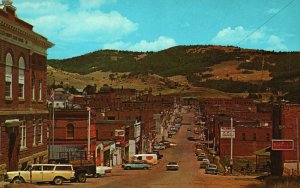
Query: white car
x=102, y=170
x=35, y=173
x=172, y=166
x=160, y=146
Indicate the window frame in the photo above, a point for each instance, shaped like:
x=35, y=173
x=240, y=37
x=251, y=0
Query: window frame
x=21, y=80
x=8, y=75
x=23, y=135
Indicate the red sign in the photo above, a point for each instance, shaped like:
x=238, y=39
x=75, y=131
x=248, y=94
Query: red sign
x=278, y=144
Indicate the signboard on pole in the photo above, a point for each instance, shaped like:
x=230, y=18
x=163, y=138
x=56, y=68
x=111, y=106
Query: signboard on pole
x=282, y=144
x=226, y=132
x=119, y=133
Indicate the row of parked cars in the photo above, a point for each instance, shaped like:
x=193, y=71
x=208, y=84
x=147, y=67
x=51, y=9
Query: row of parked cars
x=204, y=161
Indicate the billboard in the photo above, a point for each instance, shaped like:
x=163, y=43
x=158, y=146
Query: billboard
x=282, y=144
x=226, y=132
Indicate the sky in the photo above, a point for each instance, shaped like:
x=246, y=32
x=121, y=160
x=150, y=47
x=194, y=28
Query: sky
x=77, y=27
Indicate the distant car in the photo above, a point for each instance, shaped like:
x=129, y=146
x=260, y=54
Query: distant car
x=166, y=143
x=211, y=169
x=201, y=156
x=172, y=166
x=204, y=163
x=136, y=165
x=173, y=144
x=171, y=132
x=160, y=146
x=189, y=129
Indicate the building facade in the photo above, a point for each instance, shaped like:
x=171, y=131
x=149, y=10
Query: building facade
x=23, y=111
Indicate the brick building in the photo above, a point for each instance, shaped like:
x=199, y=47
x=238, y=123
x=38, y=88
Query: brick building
x=288, y=129
x=23, y=112
x=71, y=132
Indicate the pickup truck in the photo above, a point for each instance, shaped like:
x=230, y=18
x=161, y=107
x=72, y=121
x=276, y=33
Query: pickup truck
x=82, y=164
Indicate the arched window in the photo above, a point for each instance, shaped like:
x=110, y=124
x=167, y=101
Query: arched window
x=70, y=131
x=8, y=75
x=21, y=77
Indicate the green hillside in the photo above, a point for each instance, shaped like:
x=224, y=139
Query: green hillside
x=193, y=61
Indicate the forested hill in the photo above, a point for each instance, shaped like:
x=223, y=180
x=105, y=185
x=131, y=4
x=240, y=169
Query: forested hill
x=203, y=66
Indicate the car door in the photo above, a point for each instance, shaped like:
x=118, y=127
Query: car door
x=48, y=173
x=36, y=173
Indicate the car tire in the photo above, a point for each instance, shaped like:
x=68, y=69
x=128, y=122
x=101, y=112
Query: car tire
x=18, y=180
x=81, y=178
x=58, y=181
x=145, y=168
x=127, y=168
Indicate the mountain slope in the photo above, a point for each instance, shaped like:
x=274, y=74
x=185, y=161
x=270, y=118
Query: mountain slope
x=228, y=69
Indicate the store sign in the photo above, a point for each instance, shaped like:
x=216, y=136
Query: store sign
x=281, y=145
x=120, y=133
x=226, y=132
x=137, y=129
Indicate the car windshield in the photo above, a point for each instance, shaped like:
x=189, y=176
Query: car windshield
x=172, y=163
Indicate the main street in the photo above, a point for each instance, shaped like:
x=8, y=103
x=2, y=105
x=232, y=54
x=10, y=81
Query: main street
x=189, y=174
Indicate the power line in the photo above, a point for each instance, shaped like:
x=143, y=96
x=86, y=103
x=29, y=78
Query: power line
x=265, y=22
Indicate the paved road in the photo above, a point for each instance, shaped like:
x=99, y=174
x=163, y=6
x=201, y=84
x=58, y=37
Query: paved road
x=189, y=174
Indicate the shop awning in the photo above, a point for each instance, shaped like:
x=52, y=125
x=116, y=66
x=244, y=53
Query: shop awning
x=263, y=152
x=12, y=122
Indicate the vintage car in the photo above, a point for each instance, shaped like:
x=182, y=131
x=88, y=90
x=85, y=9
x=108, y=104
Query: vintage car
x=204, y=163
x=35, y=173
x=137, y=165
x=211, y=169
x=172, y=166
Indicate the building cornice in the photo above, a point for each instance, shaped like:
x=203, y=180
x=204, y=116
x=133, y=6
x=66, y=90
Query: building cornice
x=22, y=112
x=22, y=37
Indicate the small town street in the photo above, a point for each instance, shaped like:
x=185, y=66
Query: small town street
x=189, y=174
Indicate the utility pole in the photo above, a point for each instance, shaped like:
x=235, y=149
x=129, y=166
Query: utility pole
x=89, y=133
x=231, y=144
x=297, y=146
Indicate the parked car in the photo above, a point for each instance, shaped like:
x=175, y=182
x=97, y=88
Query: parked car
x=201, y=156
x=204, y=163
x=136, y=165
x=35, y=173
x=173, y=144
x=211, y=169
x=160, y=146
x=102, y=170
x=172, y=166
x=171, y=132
x=166, y=143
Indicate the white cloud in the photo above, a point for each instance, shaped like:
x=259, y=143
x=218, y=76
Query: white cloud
x=93, y=4
x=159, y=44
x=61, y=23
x=261, y=39
x=276, y=43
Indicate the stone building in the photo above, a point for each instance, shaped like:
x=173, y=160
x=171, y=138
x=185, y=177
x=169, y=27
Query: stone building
x=23, y=111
